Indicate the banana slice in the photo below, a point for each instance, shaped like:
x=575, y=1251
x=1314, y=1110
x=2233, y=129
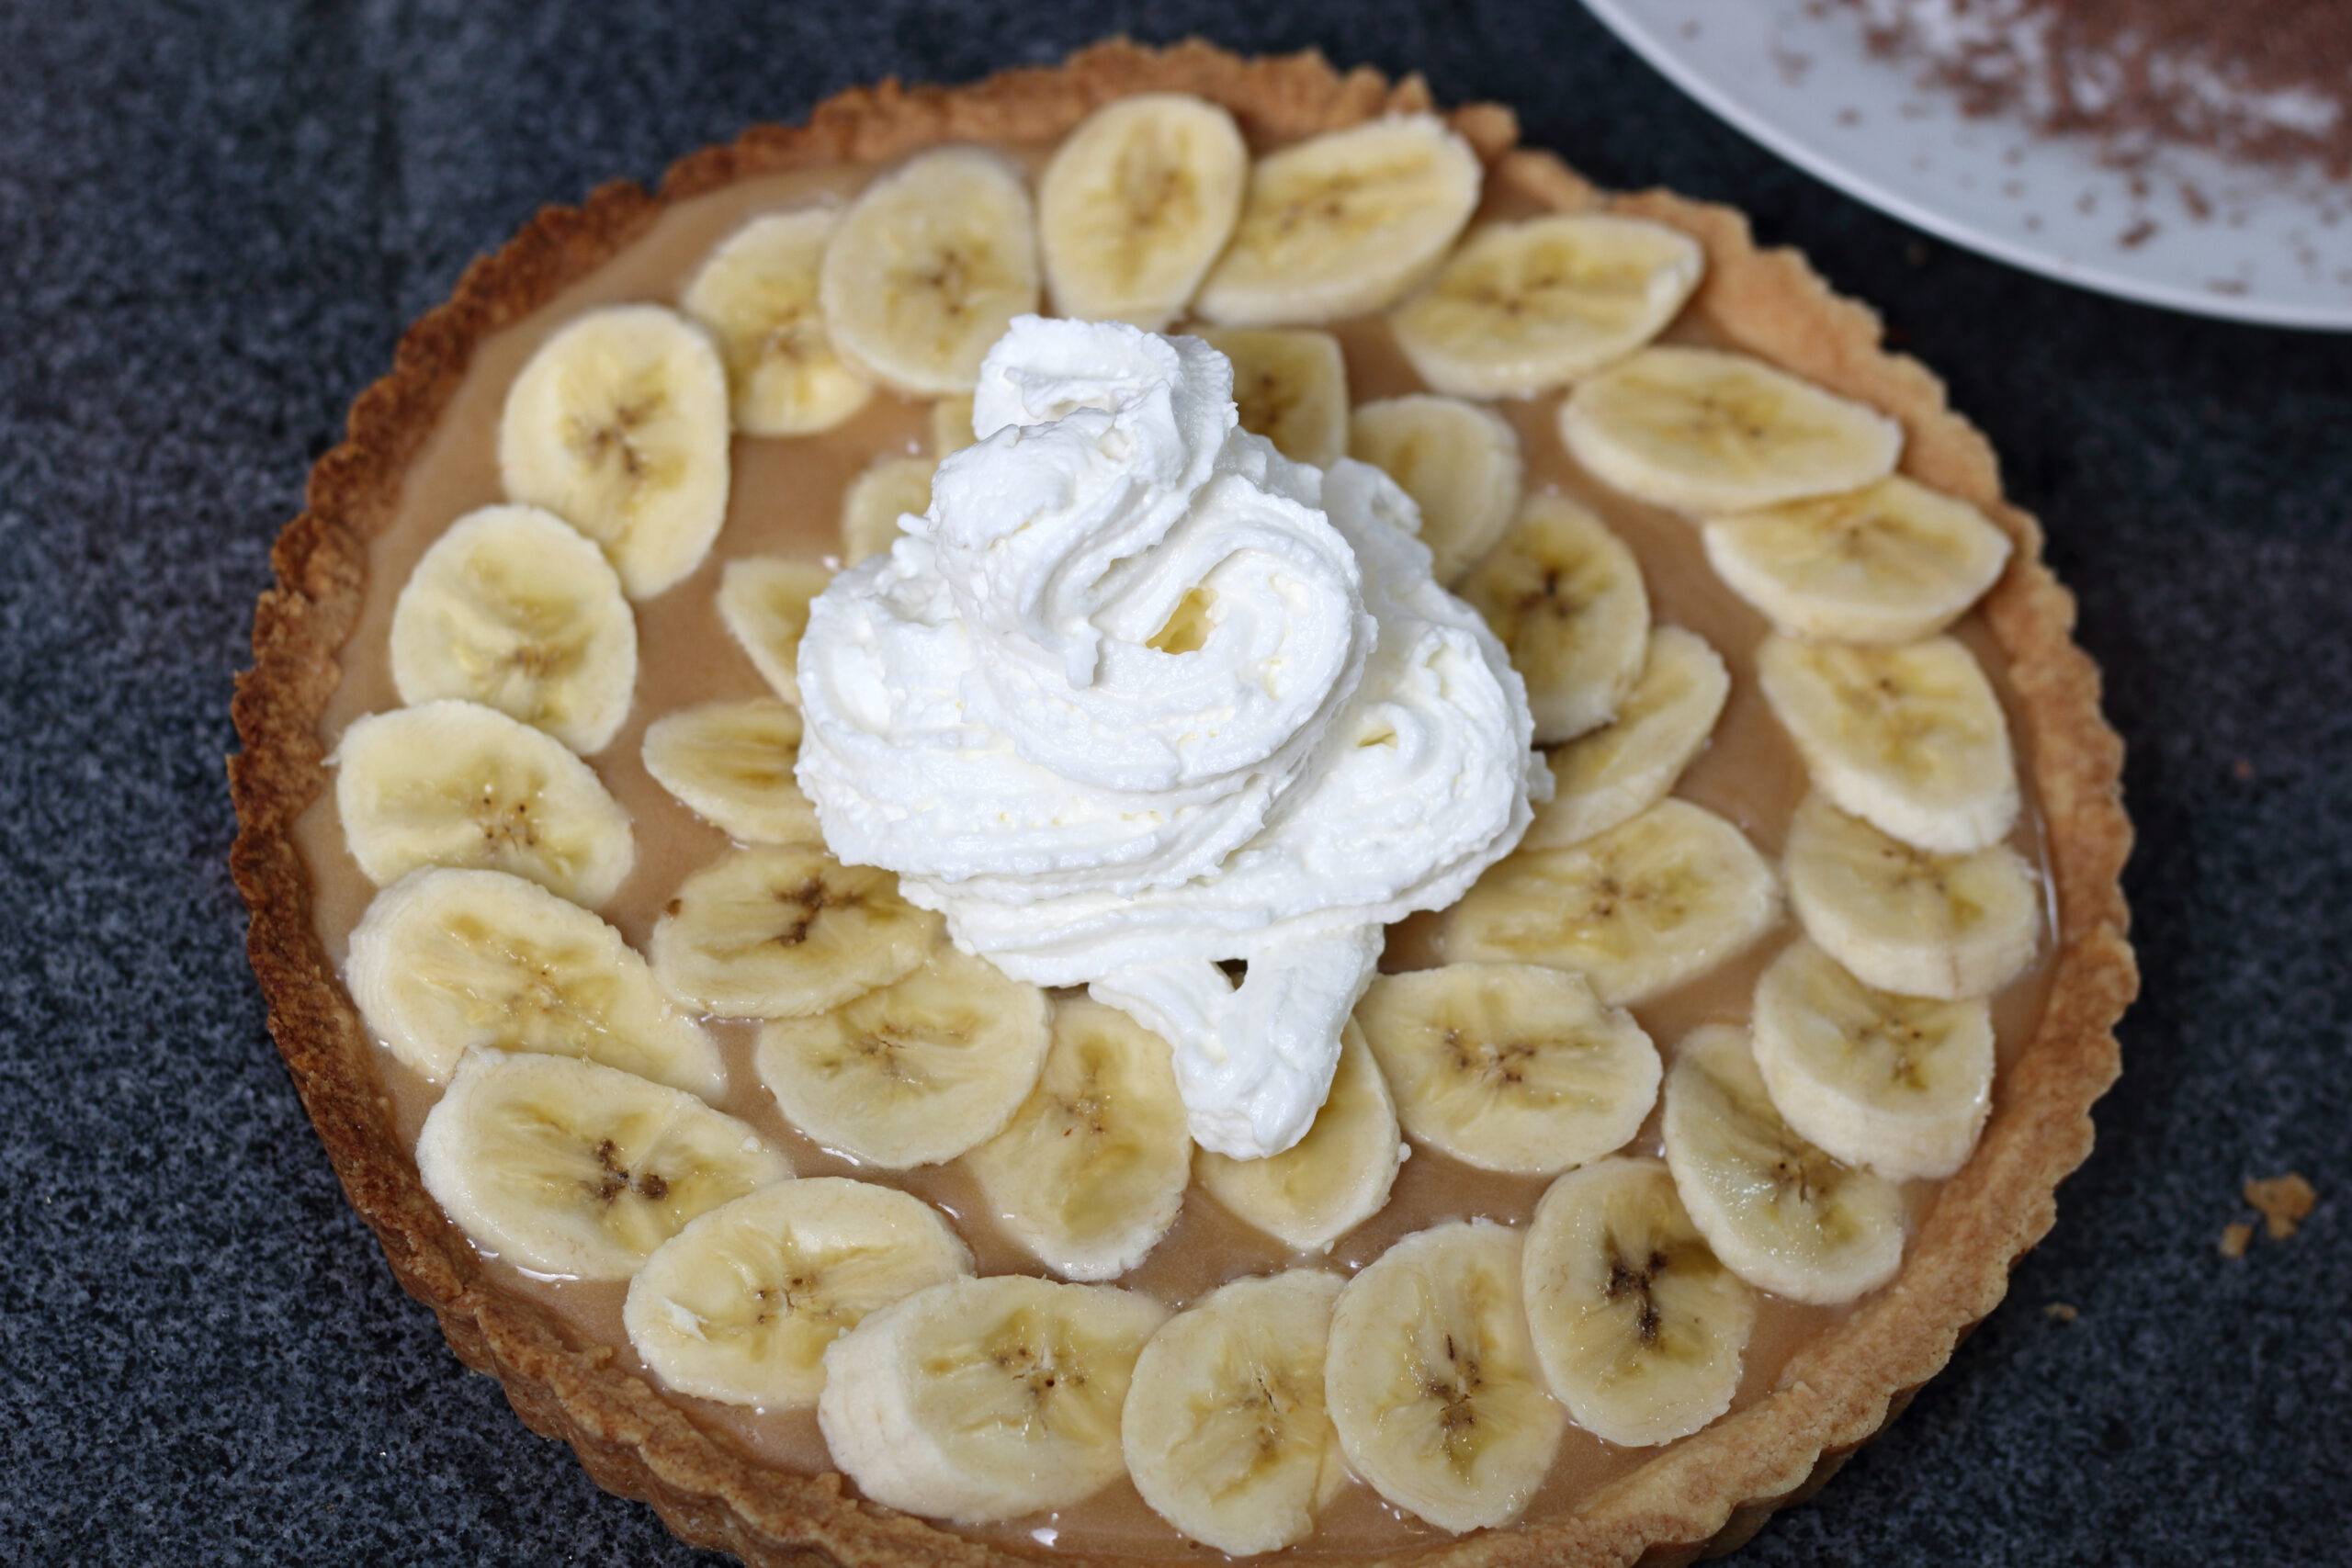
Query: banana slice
x=1702, y=430
x=929, y=267
x=1289, y=387
x=1911, y=738
x=741, y=1305
x=1432, y=1380
x=1907, y=921
x=566, y=1167
x=986, y=1399
x=1639, y=1327
x=1091, y=1172
x=1618, y=771
x=758, y=296
x=1523, y=307
x=950, y=425
x=1225, y=1430
x=448, y=960
x=1509, y=1066
x=877, y=498
x=787, y=933
x=1893, y=562
x=1782, y=1214
x=764, y=602
x=1565, y=597
x=1900, y=1084
x=1136, y=203
x=515, y=609
x=916, y=1072
x=1331, y=1180
x=1636, y=910
x=1343, y=224
x=458, y=783
x=729, y=762
x=618, y=427
x=1459, y=462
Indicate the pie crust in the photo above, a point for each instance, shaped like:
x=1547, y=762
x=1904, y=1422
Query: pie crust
x=1702, y=1495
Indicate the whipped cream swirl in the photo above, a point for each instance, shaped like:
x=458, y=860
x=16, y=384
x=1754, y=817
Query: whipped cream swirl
x=1138, y=697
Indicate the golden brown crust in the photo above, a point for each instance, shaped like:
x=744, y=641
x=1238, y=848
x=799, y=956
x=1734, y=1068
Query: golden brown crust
x=1705, y=1493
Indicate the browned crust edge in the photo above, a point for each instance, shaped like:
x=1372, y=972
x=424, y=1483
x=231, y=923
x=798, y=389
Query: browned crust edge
x=1704, y=1495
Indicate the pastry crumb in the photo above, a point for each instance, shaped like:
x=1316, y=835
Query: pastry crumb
x=2235, y=1238
x=2061, y=1312
x=2284, y=1200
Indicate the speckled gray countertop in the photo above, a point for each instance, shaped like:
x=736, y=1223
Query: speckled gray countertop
x=215, y=218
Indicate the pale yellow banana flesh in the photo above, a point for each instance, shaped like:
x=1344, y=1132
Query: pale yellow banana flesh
x=1910, y=739
x=1135, y=204
x=915, y=1072
x=1890, y=563
x=456, y=783
x=516, y=610
x=1523, y=307
x=740, y=1305
x=1566, y=598
x=877, y=498
x=1332, y=1179
x=1700, y=430
x=951, y=425
x=758, y=296
x=1782, y=1213
x=729, y=762
x=1636, y=910
x=1432, y=1382
x=764, y=602
x=1901, y=1085
x=1225, y=1429
x=1090, y=1172
x=1289, y=387
x=1905, y=921
x=566, y=1167
x=1614, y=774
x=619, y=426
x=1639, y=1327
x=1509, y=1066
x=786, y=932
x=1459, y=462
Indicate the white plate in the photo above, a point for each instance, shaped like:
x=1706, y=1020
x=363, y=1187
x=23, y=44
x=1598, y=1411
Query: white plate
x=1798, y=76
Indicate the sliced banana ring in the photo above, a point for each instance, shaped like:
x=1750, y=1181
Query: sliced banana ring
x=1910, y=739
x=986, y=1399
x=618, y=425
x=1509, y=1066
x=1289, y=387
x=1345, y=223
x=1432, y=1382
x=571, y=1169
x=916, y=1072
x=1616, y=772
x=1900, y=1084
x=1092, y=1170
x=1225, y=1428
x=1332, y=1179
x=1782, y=1213
x=1636, y=910
x=1639, y=1327
x=448, y=960
x=1700, y=430
x=458, y=783
x=763, y=603
x=1566, y=596
x=758, y=296
x=1892, y=562
x=1459, y=462
x=741, y=1305
x=885, y=493
x=929, y=267
x=1523, y=307
x=1136, y=203
x=787, y=933
x=1907, y=921
x=729, y=762
x=515, y=609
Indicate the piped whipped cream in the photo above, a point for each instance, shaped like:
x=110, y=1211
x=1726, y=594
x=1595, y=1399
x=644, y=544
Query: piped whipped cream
x=1138, y=697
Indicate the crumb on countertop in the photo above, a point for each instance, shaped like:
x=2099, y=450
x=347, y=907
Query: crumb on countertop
x=2284, y=1200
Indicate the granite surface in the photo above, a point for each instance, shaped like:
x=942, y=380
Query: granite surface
x=214, y=220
